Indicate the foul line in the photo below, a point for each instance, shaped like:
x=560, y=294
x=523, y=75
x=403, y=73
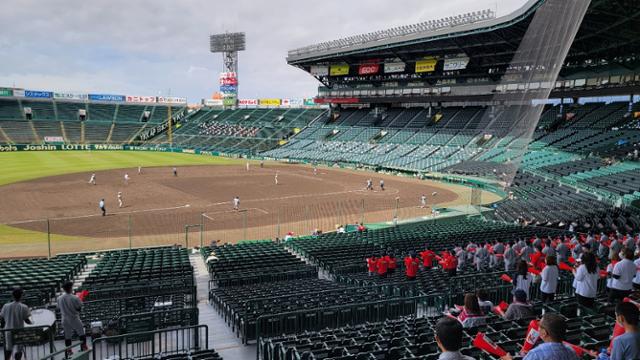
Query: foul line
x=100, y=215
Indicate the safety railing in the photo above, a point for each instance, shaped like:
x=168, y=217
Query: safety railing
x=301, y=273
x=34, y=341
x=337, y=316
x=155, y=320
x=73, y=351
x=150, y=344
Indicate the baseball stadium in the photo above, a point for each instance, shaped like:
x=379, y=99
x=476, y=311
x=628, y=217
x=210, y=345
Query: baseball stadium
x=461, y=188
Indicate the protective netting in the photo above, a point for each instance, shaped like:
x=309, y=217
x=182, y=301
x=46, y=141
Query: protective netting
x=509, y=126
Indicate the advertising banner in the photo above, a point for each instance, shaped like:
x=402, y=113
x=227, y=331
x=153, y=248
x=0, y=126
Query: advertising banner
x=309, y=102
x=171, y=100
x=38, y=94
x=158, y=129
x=105, y=97
x=394, y=67
x=69, y=96
x=230, y=101
x=457, y=63
x=269, y=102
x=213, y=102
x=248, y=102
x=337, y=100
x=368, y=69
x=54, y=139
x=6, y=92
x=18, y=92
x=228, y=89
x=228, y=78
x=140, y=99
x=339, y=70
x=296, y=102
x=285, y=102
x=426, y=65
x=319, y=70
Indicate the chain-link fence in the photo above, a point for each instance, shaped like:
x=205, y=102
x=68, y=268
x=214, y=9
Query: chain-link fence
x=195, y=227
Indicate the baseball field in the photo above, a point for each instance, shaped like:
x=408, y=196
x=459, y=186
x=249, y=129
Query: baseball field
x=48, y=205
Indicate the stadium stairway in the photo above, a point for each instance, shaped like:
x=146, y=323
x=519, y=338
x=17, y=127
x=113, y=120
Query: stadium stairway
x=221, y=337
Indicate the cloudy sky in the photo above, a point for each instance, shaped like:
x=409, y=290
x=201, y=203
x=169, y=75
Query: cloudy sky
x=147, y=47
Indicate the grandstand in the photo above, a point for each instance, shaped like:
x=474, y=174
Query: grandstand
x=103, y=123
x=436, y=100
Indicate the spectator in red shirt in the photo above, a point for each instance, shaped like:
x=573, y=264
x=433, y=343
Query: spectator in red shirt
x=382, y=266
x=427, y=258
x=449, y=263
x=392, y=263
x=411, y=265
x=361, y=227
x=372, y=264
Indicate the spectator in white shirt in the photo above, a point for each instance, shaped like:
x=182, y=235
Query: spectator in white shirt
x=636, y=280
x=623, y=274
x=549, y=283
x=522, y=279
x=586, y=280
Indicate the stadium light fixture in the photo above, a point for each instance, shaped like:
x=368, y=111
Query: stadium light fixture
x=229, y=44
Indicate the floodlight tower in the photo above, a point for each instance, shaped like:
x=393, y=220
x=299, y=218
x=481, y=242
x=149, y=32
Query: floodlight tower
x=228, y=44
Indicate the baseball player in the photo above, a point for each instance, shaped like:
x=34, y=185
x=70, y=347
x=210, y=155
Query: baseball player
x=261, y=164
x=276, y=178
x=315, y=171
x=381, y=185
x=247, y=166
x=423, y=201
x=369, y=184
x=102, y=207
x=126, y=179
x=93, y=179
x=120, y=202
x=236, y=203
x=175, y=172
x=139, y=170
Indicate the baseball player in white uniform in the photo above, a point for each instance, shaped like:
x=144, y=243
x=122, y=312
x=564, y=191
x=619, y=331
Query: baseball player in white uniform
x=236, y=203
x=423, y=201
x=93, y=179
x=276, y=178
x=120, y=202
x=126, y=179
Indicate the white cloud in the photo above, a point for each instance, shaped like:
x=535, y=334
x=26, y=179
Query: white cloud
x=147, y=46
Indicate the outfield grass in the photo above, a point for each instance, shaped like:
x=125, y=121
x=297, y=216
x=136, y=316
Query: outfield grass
x=21, y=166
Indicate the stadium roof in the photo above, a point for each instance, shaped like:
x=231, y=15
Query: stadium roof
x=609, y=34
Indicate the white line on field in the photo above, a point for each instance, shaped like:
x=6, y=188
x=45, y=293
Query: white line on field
x=99, y=215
